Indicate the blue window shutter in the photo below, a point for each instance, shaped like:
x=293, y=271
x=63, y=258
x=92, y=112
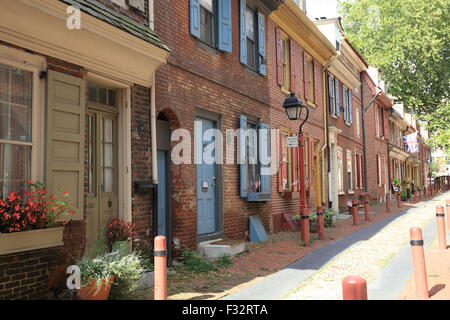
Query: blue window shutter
x=243, y=34
x=344, y=101
x=243, y=169
x=336, y=98
x=262, y=44
x=195, y=18
x=350, y=105
x=225, y=42
x=264, y=156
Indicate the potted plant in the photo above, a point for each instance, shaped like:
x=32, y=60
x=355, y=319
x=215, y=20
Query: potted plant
x=329, y=216
x=296, y=221
x=96, y=277
x=127, y=269
x=28, y=221
x=119, y=235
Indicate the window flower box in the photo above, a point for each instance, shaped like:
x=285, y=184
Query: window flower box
x=30, y=240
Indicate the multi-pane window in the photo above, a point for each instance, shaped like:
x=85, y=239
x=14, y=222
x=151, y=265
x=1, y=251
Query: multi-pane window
x=253, y=174
x=15, y=128
x=102, y=95
x=207, y=29
x=251, y=34
x=379, y=118
x=357, y=123
x=311, y=85
x=349, y=170
x=331, y=94
x=285, y=162
x=285, y=62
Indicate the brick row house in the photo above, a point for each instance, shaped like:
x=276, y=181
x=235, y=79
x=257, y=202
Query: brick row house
x=127, y=113
x=74, y=113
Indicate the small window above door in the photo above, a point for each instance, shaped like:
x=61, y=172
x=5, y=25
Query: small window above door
x=102, y=95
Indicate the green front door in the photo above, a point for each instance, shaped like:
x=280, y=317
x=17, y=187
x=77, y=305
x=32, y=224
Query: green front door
x=101, y=171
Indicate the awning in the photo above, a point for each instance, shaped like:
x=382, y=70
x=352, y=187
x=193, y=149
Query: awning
x=107, y=43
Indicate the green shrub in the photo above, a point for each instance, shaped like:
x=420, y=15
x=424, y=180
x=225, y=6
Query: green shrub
x=224, y=261
x=329, y=216
x=193, y=263
x=127, y=270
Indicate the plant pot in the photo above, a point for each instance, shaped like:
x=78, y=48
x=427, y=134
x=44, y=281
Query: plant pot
x=313, y=226
x=31, y=240
x=92, y=292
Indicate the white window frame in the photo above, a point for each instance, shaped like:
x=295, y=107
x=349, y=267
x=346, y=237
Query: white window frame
x=340, y=169
x=35, y=64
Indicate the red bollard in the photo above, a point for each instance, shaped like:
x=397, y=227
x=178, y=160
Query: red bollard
x=399, y=201
x=354, y=210
x=354, y=288
x=447, y=204
x=418, y=255
x=160, y=254
x=388, y=203
x=320, y=223
x=440, y=217
x=366, y=207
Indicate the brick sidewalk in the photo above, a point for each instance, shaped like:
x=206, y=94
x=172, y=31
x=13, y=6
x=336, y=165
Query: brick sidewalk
x=263, y=259
x=438, y=271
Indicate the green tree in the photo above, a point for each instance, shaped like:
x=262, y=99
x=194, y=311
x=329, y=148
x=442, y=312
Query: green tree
x=409, y=41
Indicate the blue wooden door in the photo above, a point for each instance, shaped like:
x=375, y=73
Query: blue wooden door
x=206, y=185
x=162, y=193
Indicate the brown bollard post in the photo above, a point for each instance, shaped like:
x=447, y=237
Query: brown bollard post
x=418, y=255
x=354, y=288
x=399, y=201
x=366, y=207
x=447, y=204
x=160, y=254
x=355, y=212
x=440, y=217
x=320, y=223
x=388, y=203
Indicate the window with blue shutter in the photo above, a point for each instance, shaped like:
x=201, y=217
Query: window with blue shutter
x=337, y=110
x=211, y=23
x=262, y=43
x=195, y=18
x=254, y=160
x=331, y=103
x=344, y=103
x=243, y=33
x=224, y=11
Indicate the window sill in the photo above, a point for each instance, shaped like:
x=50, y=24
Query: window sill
x=311, y=104
x=285, y=91
x=341, y=193
x=350, y=192
x=291, y=195
x=334, y=116
x=259, y=196
x=207, y=47
x=348, y=124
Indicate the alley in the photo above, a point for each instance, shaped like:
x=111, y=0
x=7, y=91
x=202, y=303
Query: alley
x=380, y=253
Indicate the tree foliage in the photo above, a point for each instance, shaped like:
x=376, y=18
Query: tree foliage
x=409, y=41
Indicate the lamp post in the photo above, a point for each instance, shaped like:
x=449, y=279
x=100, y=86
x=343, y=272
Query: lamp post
x=294, y=108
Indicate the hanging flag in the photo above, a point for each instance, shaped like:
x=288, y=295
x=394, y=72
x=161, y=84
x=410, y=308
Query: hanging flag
x=410, y=141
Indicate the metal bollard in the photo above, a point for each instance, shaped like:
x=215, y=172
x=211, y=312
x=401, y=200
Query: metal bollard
x=440, y=217
x=399, y=201
x=366, y=207
x=447, y=204
x=354, y=288
x=160, y=254
x=354, y=210
x=418, y=255
x=388, y=203
x=320, y=222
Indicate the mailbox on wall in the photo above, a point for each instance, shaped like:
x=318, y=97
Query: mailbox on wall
x=143, y=187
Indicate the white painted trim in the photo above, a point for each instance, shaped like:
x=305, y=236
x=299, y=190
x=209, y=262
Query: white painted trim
x=98, y=46
x=35, y=64
x=124, y=141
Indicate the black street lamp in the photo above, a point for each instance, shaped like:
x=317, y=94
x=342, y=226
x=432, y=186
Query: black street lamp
x=294, y=108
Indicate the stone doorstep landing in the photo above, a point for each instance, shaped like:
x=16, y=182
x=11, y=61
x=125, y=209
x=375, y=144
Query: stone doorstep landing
x=217, y=248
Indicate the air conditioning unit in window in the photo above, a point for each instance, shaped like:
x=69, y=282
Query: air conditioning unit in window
x=258, y=197
x=137, y=4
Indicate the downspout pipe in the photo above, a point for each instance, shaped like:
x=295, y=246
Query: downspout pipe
x=363, y=120
x=153, y=132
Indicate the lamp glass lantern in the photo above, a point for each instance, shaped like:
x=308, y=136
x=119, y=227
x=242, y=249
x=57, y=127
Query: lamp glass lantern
x=293, y=107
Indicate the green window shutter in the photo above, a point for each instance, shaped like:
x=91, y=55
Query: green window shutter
x=65, y=121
